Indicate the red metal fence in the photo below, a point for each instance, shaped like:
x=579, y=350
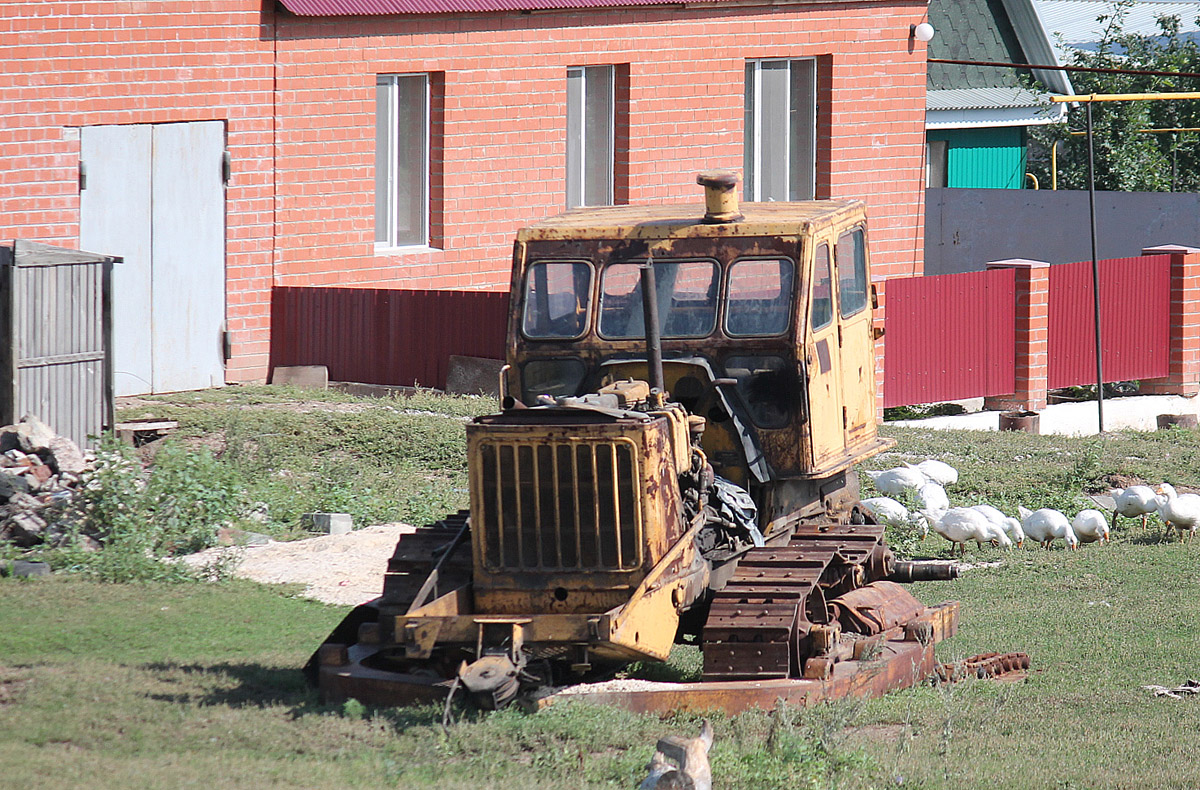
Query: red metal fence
x=381, y=336
x=949, y=337
x=1134, y=321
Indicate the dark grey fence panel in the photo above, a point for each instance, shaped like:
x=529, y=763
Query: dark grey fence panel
x=56, y=324
x=966, y=228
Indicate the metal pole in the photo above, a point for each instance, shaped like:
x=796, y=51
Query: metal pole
x=1095, y=269
x=653, y=333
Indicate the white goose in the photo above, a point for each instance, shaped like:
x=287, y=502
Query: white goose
x=1090, y=526
x=1010, y=525
x=888, y=511
x=994, y=534
x=1046, y=525
x=1132, y=502
x=959, y=525
x=895, y=482
x=1181, y=511
x=938, y=472
x=932, y=496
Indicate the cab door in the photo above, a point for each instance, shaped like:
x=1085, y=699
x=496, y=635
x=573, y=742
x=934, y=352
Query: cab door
x=857, y=346
x=822, y=361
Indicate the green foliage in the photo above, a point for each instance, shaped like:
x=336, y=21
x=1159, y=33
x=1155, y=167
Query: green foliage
x=920, y=412
x=1126, y=158
x=139, y=516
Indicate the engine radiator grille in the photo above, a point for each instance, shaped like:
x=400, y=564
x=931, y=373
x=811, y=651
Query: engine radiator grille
x=559, y=505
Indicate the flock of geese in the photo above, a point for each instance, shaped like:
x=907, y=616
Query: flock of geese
x=926, y=484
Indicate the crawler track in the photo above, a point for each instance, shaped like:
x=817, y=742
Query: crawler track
x=416, y=555
x=759, y=624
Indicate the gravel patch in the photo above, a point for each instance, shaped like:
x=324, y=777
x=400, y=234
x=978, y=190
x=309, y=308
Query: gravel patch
x=337, y=569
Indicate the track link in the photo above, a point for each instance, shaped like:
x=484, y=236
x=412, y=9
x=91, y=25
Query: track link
x=758, y=623
x=417, y=553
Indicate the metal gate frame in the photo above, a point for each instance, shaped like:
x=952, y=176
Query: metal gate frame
x=56, y=338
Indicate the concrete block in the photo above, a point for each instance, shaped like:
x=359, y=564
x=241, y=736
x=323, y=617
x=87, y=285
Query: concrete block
x=25, y=569
x=308, y=376
x=474, y=376
x=331, y=523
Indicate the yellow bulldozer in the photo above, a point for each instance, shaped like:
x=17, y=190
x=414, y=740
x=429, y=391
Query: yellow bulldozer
x=685, y=397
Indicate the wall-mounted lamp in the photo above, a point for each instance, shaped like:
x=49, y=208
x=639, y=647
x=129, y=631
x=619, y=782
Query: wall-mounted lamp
x=922, y=32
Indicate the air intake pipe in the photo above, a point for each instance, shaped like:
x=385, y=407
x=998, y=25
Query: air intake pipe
x=720, y=196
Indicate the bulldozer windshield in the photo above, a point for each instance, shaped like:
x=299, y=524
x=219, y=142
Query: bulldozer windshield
x=687, y=299
x=557, y=299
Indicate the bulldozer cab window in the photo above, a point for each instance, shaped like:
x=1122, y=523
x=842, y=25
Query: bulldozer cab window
x=687, y=299
x=760, y=297
x=852, y=272
x=768, y=387
x=553, y=377
x=557, y=298
x=822, y=298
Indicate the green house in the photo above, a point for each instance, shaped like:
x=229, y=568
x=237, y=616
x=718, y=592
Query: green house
x=976, y=116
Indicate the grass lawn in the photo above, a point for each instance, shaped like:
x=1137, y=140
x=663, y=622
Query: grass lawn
x=153, y=685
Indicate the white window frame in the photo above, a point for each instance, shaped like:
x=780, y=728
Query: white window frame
x=388, y=200
x=937, y=163
x=580, y=137
x=800, y=128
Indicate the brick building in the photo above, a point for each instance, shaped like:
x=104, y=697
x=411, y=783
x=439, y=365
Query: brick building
x=224, y=147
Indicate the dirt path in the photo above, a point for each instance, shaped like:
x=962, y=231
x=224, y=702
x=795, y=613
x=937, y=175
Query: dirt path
x=338, y=569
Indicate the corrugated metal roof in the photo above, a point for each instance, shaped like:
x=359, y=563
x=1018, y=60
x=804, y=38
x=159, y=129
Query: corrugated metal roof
x=1073, y=25
x=381, y=7
x=982, y=99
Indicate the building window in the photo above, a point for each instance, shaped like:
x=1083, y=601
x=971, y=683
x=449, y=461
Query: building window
x=401, y=160
x=935, y=164
x=781, y=129
x=591, y=125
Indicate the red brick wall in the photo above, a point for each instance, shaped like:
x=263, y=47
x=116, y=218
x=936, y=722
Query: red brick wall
x=310, y=220
x=69, y=64
x=505, y=123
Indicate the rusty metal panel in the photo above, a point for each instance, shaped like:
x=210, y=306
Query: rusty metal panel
x=1135, y=316
x=385, y=336
x=57, y=325
x=949, y=337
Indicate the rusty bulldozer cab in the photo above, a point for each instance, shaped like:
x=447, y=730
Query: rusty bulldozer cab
x=693, y=485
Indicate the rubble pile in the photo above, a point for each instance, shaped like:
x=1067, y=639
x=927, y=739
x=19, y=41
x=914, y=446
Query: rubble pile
x=39, y=472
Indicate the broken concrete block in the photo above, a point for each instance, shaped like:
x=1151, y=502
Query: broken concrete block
x=25, y=569
x=12, y=484
x=308, y=376
x=330, y=523
x=474, y=376
x=38, y=474
x=28, y=435
x=232, y=536
x=63, y=455
x=24, y=529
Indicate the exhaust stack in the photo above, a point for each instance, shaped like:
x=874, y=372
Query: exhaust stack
x=720, y=196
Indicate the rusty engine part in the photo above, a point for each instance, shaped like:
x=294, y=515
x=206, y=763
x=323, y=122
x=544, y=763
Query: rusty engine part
x=986, y=665
x=684, y=400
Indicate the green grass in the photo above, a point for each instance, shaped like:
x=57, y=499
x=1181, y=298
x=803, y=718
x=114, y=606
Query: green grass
x=145, y=685
x=129, y=686
x=306, y=451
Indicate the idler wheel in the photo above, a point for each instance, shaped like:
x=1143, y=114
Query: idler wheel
x=491, y=681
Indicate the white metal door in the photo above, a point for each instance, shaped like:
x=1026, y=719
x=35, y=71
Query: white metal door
x=155, y=196
x=114, y=219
